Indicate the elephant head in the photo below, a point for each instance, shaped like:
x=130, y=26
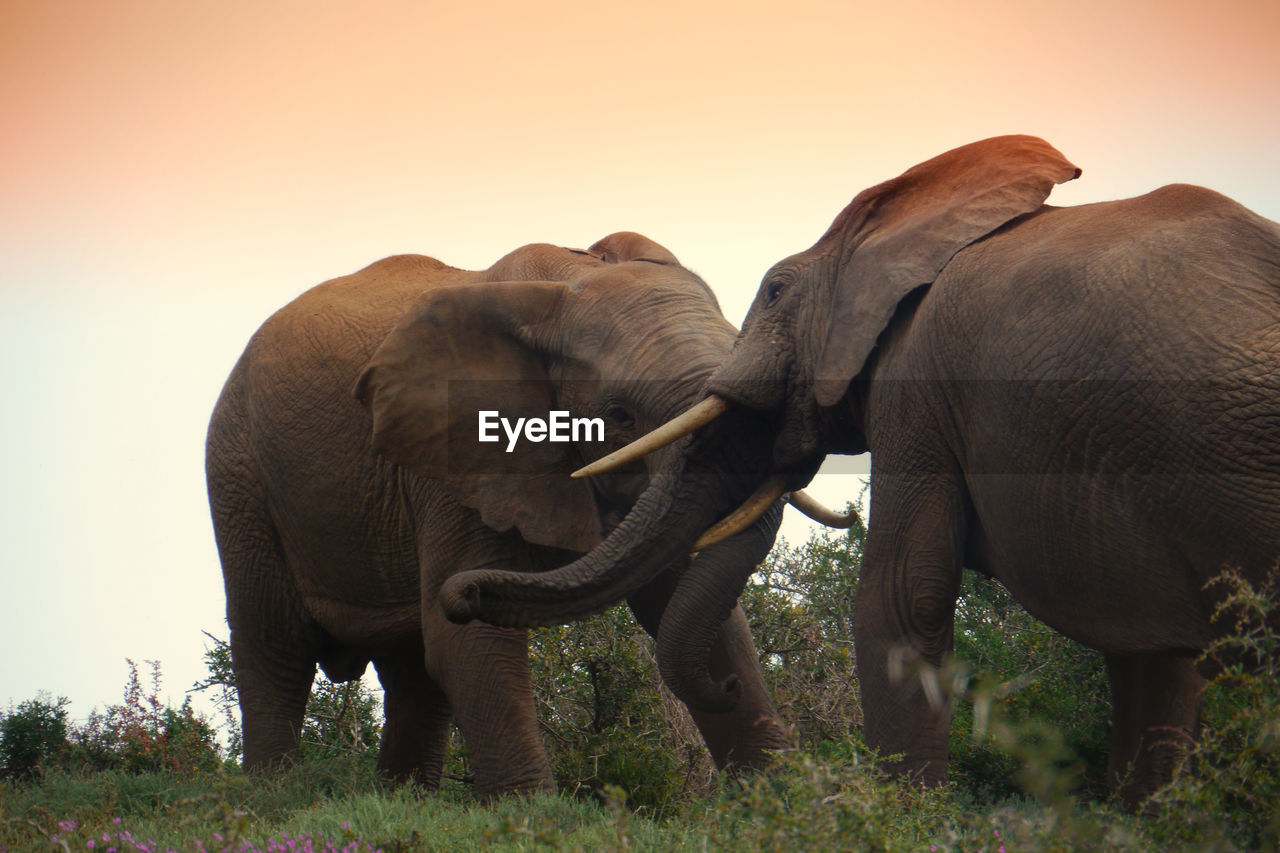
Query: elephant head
x=794, y=385
x=544, y=330
x=620, y=334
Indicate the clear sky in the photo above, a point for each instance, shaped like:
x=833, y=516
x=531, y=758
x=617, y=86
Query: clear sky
x=174, y=171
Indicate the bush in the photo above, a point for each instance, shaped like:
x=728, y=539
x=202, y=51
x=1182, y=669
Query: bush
x=800, y=606
x=33, y=736
x=1040, y=680
x=605, y=717
x=1229, y=787
x=222, y=682
x=144, y=734
x=343, y=718
x=807, y=803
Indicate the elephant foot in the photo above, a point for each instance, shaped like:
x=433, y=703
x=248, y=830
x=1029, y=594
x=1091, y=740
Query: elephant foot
x=1156, y=702
x=1161, y=753
x=540, y=784
x=415, y=736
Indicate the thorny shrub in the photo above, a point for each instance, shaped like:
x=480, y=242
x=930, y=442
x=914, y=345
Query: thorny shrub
x=141, y=734
x=1228, y=789
x=607, y=720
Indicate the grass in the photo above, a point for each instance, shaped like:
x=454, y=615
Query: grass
x=318, y=805
x=1228, y=798
x=804, y=803
x=1028, y=746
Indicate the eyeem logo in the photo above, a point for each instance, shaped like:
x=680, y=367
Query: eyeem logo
x=557, y=427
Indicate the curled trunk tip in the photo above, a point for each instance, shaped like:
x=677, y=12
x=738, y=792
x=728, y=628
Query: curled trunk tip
x=460, y=599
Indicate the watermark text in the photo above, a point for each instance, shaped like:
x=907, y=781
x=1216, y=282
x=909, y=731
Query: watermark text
x=557, y=427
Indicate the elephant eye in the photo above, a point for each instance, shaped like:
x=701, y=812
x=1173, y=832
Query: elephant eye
x=772, y=291
x=620, y=416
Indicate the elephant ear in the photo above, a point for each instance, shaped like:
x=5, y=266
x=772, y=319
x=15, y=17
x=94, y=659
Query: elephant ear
x=624, y=246
x=899, y=235
x=457, y=352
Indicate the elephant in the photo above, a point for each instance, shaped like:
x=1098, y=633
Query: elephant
x=347, y=480
x=1081, y=402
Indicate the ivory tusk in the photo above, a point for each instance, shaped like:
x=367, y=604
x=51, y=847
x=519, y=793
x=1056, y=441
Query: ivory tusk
x=744, y=516
x=700, y=415
x=820, y=513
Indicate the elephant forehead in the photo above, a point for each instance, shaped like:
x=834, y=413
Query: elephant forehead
x=645, y=352
x=602, y=278
x=639, y=357
x=537, y=261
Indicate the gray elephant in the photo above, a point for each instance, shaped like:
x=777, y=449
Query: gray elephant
x=1082, y=402
x=337, y=522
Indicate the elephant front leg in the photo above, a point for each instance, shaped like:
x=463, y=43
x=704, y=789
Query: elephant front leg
x=904, y=621
x=1155, y=716
x=415, y=737
x=485, y=673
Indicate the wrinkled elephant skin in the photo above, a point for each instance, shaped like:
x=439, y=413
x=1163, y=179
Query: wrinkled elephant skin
x=1082, y=402
x=338, y=515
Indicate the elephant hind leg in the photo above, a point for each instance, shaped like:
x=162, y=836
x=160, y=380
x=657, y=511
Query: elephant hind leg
x=274, y=642
x=273, y=702
x=1156, y=702
x=415, y=738
x=273, y=650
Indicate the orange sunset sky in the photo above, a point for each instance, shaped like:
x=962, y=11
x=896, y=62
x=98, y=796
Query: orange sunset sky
x=175, y=170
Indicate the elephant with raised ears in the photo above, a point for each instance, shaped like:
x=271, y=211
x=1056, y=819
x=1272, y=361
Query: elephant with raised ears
x=338, y=515
x=1082, y=402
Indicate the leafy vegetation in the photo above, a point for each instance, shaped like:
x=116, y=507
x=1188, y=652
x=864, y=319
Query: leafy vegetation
x=1029, y=746
x=1229, y=791
x=139, y=735
x=31, y=737
x=608, y=722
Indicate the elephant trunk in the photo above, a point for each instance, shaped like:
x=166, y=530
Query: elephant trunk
x=702, y=601
x=697, y=485
x=654, y=536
